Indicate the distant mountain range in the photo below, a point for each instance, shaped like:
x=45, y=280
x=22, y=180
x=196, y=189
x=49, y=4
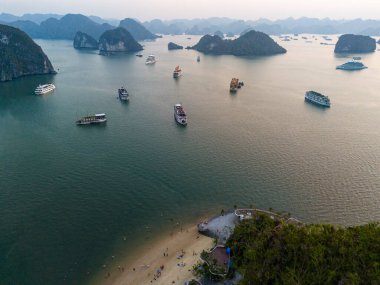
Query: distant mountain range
x=61, y=28
x=277, y=27
x=138, y=31
x=38, y=18
x=65, y=26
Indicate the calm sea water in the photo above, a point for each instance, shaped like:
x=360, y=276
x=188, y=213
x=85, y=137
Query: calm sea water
x=68, y=194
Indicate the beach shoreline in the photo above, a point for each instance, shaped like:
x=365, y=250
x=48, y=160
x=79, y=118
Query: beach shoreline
x=166, y=260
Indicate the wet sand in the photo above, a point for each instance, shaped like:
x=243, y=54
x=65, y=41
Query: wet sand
x=167, y=260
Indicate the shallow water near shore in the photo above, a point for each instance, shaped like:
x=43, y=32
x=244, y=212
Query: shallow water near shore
x=71, y=197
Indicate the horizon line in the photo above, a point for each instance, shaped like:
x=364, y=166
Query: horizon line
x=199, y=18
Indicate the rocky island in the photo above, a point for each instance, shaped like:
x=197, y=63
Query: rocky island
x=173, y=46
x=118, y=40
x=355, y=44
x=85, y=41
x=20, y=55
x=250, y=44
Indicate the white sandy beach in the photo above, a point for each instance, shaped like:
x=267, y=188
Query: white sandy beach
x=165, y=253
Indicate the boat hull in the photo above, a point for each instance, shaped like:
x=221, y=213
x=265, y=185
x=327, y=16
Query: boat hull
x=84, y=123
x=44, y=93
x=317, y=102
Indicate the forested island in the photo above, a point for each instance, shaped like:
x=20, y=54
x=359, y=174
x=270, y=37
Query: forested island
x=252, y=43
x=20, y=55
x=118, y=40
x=355, y=44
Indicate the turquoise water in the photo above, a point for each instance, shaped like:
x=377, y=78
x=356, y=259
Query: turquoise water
x=68, y=194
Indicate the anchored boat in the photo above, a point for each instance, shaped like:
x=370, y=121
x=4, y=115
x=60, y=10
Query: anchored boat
x=123, y=94
x=91, y=120
x=317, y=98
x=177, y=72
x=151, y=59
x=180, y=114
x=44, y=89
x=235, y=84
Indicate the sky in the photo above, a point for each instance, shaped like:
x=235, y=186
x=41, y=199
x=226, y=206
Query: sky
x=175, y=9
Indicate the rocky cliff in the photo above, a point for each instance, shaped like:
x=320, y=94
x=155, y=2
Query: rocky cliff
x=355, y=44
x=84, y=41
x=20, y=55
x=172, y=46
x=118, y=40
x=250, y=44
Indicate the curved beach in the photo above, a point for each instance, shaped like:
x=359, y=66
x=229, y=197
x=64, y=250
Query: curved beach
x=166, y=261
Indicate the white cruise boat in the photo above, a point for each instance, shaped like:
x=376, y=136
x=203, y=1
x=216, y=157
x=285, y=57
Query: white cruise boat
x=177, y=72
x=180, y=115
x=151, y=59
x=44, y=89
x=317, y=98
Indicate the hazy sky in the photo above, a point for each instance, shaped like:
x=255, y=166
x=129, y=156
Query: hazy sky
x=174, y=9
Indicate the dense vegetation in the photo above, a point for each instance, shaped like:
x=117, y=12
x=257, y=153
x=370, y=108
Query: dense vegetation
x=251, y=43
x=355, y=44
x=271, y=251
x=20, y=55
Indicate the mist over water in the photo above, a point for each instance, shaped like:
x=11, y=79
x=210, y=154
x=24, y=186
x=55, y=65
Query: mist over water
x=68, y=194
